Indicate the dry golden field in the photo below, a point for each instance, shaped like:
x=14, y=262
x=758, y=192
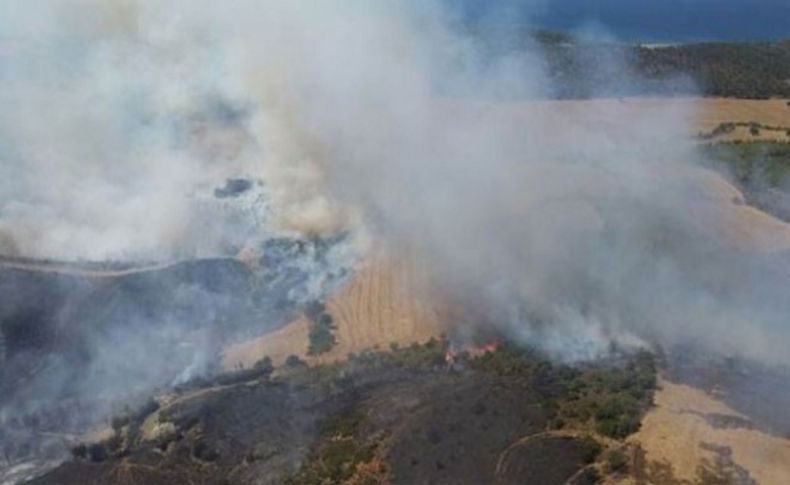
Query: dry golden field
x=701, y=114
x=389, y=300
x=712, y=111
x=676, y=432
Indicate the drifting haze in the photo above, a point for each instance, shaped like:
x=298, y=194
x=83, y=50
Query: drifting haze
x=570, y=231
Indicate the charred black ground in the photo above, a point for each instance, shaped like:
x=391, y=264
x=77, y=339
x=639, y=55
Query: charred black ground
x=78, y=340
x=406, y=416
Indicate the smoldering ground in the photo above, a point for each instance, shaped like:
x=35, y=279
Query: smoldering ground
x=568, y=229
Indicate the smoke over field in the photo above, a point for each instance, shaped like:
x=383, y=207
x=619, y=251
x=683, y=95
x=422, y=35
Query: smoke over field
x=255, y=150
x=569, y=230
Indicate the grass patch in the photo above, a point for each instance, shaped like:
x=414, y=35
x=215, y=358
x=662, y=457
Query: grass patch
x=753, y=162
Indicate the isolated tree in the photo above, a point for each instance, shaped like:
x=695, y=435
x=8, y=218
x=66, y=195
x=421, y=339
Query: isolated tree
x=264, y=366
x=293, y=361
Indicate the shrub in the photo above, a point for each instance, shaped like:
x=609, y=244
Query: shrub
x=618, y=417
x=607, y=427
x=293, y=362
x=314, y=309
x=616, y=460
x=97, y=453
x=321, y=325
x=343, y=425
x=337, y=456
x=202, y=452
x=325, y=320
x=145, y=410
x=609, y=400
x=264, y=366
x=321, y=340
x=590, y=449
x=114, y=443
x=80, y=451
x=612, y=407
x=118, y=422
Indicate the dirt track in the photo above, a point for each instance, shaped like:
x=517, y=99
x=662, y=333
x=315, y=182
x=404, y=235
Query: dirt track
x=503, y=457
x=76, y=270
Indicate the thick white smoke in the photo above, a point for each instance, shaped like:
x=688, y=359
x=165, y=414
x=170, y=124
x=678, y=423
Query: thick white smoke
x=119, y=120
x=571, y=225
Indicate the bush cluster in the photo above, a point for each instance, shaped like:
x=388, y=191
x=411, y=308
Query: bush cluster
x=321, y=337
x=609, y=399
x=612, y=399
x=338, y=454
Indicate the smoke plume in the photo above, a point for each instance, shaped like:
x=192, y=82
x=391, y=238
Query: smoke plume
x=569, y=225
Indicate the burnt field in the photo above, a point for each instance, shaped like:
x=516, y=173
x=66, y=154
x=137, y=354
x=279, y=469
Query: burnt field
x=77, y=342
x=55, y=322
x=404, y=417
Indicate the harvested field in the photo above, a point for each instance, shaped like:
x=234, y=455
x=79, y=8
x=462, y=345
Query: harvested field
x=388, y=301
x=703, y=114
x=713, y=111
x=686, y=429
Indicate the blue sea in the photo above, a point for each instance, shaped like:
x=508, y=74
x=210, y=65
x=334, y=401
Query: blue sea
x=659, y=21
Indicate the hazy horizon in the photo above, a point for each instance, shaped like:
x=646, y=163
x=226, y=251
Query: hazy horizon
x=670, y=21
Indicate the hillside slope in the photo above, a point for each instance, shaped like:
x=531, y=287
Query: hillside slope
x=389, y=300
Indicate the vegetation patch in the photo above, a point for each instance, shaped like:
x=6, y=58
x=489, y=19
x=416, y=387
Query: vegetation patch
x=609, y=399
x=761, y=169
x=755, y=128
x=341, y=454
x=322, y=338
x=616, y=460
x=755, y=162
x=741, y=70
